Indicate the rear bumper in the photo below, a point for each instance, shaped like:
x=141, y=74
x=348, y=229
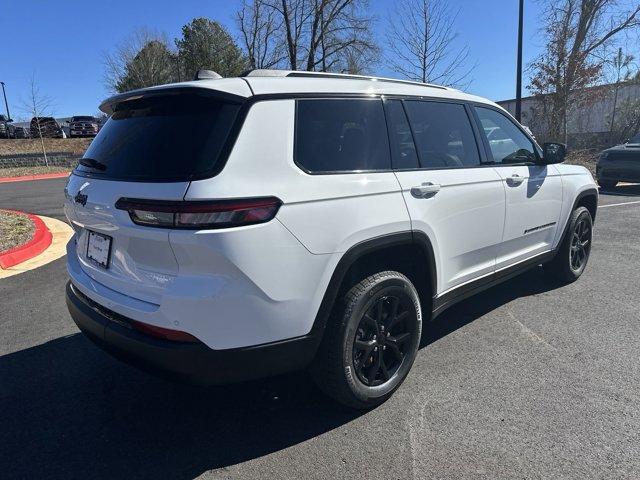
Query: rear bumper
x=618, y=174
x=187, y=362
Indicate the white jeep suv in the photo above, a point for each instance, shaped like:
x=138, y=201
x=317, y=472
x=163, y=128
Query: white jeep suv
x=228, y=229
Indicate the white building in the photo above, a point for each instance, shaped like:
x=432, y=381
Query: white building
x=588, y=126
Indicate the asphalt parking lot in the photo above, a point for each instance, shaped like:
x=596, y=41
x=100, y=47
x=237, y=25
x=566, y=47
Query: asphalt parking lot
x=530, y=379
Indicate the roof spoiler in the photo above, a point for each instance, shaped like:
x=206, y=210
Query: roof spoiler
x=110, y=104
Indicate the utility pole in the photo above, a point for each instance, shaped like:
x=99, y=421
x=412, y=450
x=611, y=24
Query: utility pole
x=519, y=67
x=5, y=102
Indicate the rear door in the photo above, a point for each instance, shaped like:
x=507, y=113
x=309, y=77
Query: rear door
x=149, y=149
x=450, y=195
x=533, y=191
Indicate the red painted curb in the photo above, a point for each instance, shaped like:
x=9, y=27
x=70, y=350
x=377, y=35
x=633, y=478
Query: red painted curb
x=26, y=178
x=39, y=243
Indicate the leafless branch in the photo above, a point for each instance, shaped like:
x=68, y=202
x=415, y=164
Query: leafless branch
x=313, y=34
x=422, y=43
x=144, y=59
x=578, y=34
x=38, y=105
x=260, y=26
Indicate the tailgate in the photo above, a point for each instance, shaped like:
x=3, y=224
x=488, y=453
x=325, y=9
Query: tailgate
x=141, y=263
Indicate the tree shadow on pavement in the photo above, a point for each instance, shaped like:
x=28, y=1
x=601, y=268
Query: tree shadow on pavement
x=71, y=411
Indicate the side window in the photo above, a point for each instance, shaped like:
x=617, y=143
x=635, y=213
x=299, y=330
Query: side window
x=341, y=135
x=443, y=134
x=403, y=150
x=507, y=142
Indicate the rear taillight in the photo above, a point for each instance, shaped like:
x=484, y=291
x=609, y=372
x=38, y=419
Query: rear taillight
x=200, y=214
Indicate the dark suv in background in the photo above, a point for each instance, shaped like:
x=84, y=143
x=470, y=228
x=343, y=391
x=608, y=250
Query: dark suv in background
x=83, y=126
x=6, y=129
x=21, y=132
x=619, y=164
x=49, y=127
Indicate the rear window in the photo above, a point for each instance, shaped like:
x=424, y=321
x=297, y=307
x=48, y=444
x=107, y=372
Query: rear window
x=443, y=135
x=171, y=138
x=341, y=135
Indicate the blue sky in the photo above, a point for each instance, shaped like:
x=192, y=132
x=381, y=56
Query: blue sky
x=64, y=47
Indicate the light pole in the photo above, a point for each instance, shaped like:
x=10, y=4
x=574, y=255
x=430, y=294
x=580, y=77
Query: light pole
x=519, y=67
x=6, y=104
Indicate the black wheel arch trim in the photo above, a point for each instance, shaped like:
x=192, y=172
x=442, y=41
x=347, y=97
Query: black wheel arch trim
x=419, y=238
x=361, y=249
x=589, y=192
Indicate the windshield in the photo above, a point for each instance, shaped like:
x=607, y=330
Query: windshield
x=635, y=140
x=169, y=138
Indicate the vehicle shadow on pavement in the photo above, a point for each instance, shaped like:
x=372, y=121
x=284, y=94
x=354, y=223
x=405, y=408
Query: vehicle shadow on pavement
x=533, y=282
x=71, y=411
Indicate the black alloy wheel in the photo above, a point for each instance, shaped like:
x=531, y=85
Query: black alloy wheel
x=371, y=340
x=580, y=244
x=573, y=253
x=383, y=339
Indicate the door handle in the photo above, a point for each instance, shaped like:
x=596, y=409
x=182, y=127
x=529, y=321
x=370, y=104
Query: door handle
x=515, y=179
x=427, y=189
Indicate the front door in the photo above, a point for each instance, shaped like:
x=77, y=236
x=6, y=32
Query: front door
x=458, y=203
x=533, y=191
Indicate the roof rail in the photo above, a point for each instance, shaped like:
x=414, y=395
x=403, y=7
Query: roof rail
x=265, y=72
x=203, y=74
x=345, y=76
x=361, y=77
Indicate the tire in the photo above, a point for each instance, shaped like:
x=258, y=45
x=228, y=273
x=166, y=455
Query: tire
x=573, y=254
x=608, y=184
x=364, y=335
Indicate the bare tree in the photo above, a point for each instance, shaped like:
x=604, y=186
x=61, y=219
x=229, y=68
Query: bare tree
x=627, y=121
x=339, y=29
x=355, y=62
x=295, y=16
x=314, y=35
x=144, y=59
x=576, y=32
x=422, y=39
x=620, y=69
x=38, y=105
x=261, y=34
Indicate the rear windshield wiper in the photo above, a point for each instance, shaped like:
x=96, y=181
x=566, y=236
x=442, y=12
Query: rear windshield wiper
x=92, y=163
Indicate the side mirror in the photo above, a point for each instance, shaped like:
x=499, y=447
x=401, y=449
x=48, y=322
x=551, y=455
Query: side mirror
x=554, y=153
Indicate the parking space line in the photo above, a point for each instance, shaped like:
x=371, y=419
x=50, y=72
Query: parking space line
x=618, y=204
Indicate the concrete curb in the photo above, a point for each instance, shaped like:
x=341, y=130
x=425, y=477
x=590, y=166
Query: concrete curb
x=27, y=178
x=61, y=232
x=39, y=243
